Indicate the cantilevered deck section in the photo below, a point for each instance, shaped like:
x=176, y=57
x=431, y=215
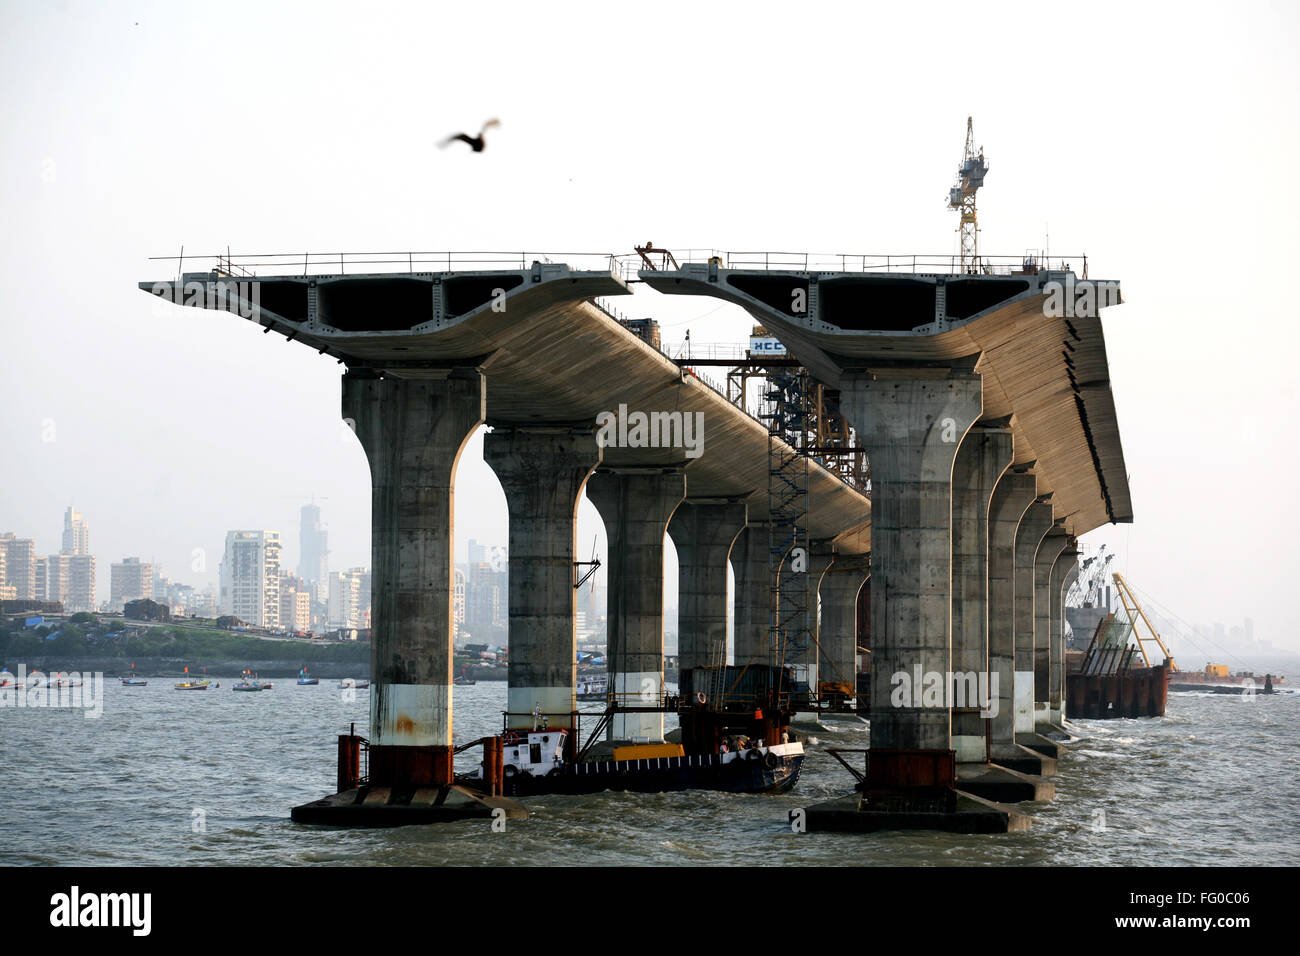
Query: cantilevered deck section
x=550, y=356
x=1047, y=375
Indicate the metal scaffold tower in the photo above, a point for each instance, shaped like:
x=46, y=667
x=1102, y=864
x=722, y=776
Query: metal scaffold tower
x=788, y=414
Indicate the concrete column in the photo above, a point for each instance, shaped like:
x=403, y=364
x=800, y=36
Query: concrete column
x=1064, y=571
x=1049, y=550
x=703, y=531
x=1014, y=493
x=910, y=421
x=413, y=431
x=1034, y=525
x=837, y=634
x=984, y=454
x=821, y=555
x=752, y=616
x=636, y=507
x=542, y=470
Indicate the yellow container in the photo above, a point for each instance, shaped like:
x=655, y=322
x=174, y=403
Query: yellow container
x=646, y=751
x=1216, y=670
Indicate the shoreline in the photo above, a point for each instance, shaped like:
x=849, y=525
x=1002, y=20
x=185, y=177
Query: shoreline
x=173, y=667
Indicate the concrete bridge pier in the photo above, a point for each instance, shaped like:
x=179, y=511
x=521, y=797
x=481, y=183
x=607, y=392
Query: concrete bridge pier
x=910, y=421
x=983, y=457
x=837, y=630
x=542, y=470
x=752, y=617
x=636, y=506
x=1034, y=526
x=703, y=531
x=413, y=431
x=1016, y=491
x=1055, y=542
x=1064, y=571
x=840, y=579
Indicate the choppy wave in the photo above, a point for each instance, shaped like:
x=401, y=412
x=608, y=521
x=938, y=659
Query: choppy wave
x=212, y=777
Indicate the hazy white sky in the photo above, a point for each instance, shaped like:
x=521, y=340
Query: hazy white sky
x=1159, y=140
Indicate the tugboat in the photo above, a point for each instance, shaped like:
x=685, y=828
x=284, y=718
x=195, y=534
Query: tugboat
x=735, y=737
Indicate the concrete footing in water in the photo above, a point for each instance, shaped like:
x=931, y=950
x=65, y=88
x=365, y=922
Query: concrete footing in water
x=1054, y=732
x=955, y=812
x=368, y=806
x=1001, y=784
x=1023, y=760
x=1043, y=745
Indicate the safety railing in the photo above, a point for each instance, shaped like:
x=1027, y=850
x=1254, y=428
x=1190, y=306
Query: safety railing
x=685, y=351
x=627, y=266
x=1028, y=263
x=345, y=263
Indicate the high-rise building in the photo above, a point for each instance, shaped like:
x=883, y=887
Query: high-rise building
x=458, y=603
x=42, y=583
x=129, y=580
x=347, y=594
x=313, y=553
x=20, y=565
x=250, y=577
x=487, y=592
x=76, y=533
x=53, y=576
x=81, y=583
x=295, y=603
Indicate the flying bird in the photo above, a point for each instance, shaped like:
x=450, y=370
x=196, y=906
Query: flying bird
x=474, y=142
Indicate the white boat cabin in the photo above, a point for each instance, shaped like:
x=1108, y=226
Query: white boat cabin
x=537, y=752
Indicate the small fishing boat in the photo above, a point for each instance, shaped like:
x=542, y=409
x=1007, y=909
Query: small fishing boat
x=250, y=682
x=192, y=683
x=7, y=679
x=62, y=680
x=353, y=683
x=463, y=681
x=134, y=681
x=304, y=680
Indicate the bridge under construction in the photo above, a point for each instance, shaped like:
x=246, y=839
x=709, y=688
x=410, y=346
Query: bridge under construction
x=973, y=396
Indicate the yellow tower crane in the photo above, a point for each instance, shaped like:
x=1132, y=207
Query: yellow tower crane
x=970, y=177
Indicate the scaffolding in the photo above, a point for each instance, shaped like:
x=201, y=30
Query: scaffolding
x=788, y=407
